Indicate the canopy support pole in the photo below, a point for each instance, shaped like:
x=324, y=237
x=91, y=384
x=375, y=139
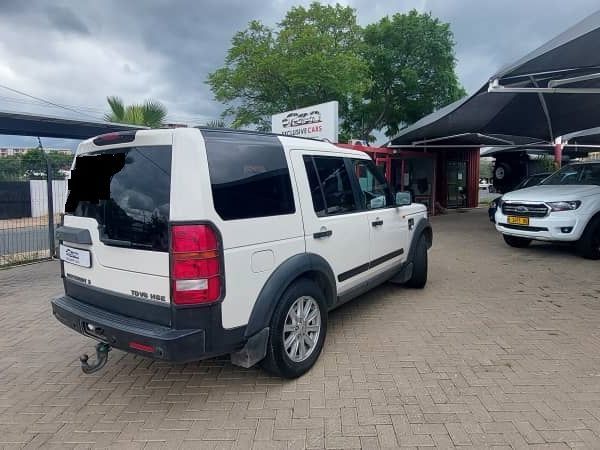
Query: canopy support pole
x=544, y=108
x=558, y=150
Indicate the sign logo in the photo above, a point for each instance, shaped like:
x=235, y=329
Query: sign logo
x=317, y=121
x=522, y=209
x=295, y=120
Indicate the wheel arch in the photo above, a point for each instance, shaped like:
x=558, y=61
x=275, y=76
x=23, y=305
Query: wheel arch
x=305, y=265
x=422, y=228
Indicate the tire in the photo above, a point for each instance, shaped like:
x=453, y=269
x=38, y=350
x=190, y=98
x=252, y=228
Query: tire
x=278, y=360
x=418, y=280
x=517, y=242
x=588, y=245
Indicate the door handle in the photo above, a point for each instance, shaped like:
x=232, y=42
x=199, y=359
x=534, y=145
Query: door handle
x=322, y=234
x=377, y=223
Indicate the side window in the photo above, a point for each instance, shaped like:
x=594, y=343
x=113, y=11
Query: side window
x=330, y=185
x=249, y=176
x=375, y=190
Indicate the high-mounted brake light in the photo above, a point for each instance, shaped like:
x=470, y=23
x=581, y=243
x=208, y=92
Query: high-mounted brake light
x=115, y=138
x=196, y=272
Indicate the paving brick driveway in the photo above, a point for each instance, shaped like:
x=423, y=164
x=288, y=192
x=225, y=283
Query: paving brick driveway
x=502, y=349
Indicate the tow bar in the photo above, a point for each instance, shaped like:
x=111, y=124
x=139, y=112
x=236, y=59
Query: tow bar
x=102, y=350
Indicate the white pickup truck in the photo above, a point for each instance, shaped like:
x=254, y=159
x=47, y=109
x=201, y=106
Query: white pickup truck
x=563, y=208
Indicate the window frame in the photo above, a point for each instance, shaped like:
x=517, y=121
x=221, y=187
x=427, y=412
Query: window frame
x=351, y=179
x=360, y=192
x=357, y=192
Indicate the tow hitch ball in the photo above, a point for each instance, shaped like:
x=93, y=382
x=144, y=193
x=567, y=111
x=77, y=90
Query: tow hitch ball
x=102, y=350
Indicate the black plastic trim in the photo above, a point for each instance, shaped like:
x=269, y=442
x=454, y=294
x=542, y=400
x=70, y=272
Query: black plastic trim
x=278, y=282
x=364, y=267
x=387, y=257
x=322, y=234
x=522, y=227
x=353, y=272
x=74, y=235
x=366, y=286
x=118, y=331
x=113, y=302
x=421, y=227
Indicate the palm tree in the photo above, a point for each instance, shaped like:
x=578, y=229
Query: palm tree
x=150, y=113
x=217, y=123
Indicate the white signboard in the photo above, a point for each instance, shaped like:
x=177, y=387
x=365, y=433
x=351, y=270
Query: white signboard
x=318, y=121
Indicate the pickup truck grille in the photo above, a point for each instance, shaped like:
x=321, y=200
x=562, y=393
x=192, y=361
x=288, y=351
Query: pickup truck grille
x=524, y=209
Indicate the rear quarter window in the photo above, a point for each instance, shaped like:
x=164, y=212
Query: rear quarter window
x=249, y=175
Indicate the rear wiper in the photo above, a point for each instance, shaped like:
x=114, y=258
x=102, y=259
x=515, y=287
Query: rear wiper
x=123, y=243
x=117, y=242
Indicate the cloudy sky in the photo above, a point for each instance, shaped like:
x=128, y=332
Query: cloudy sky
x=75, y=53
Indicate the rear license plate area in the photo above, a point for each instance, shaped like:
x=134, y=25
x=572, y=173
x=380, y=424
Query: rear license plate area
x=76, y=256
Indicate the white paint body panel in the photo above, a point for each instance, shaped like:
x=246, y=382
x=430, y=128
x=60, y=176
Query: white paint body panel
x=252, y=248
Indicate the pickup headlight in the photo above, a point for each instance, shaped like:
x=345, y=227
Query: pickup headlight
x=564, y=206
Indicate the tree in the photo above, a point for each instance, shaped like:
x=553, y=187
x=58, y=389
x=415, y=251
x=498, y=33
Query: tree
x=412, y=72
x=384, y=76
x=150, y=113
x=309, y=58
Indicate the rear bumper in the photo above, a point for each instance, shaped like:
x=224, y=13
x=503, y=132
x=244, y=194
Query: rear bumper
x=120, y=331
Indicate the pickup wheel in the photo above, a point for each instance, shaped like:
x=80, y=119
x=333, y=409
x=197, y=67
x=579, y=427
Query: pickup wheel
x=297, y=330
x=418, y=280
x=515, y=241
x=588, y=245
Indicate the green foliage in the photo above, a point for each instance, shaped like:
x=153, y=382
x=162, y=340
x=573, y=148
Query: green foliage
x=310, y=58
x=412, y=72
x=389, y=74
x=32, y=165
x=547, y=163
x=486, y=168
x=150, y=113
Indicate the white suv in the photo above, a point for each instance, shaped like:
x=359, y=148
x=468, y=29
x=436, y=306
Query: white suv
x=565, y=207
x=190, y=243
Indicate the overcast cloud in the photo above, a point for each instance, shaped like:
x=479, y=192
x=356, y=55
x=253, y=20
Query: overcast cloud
x=76, y=53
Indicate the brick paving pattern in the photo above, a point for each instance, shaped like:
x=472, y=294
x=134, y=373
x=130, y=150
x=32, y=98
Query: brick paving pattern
x=501, y=350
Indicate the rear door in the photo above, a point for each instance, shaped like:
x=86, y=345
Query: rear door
x=120, y=195
x=334, y=226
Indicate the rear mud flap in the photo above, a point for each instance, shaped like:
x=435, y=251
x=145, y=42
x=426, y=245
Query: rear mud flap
x=254, y=351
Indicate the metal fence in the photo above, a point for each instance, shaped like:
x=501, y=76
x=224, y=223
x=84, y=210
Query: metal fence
x=32, y=197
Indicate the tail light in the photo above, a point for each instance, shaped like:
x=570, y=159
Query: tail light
x=196, y=272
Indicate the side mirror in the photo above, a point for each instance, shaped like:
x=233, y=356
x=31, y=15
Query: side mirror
x=403, y=198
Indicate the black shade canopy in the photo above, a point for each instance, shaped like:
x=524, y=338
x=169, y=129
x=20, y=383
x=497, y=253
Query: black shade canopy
x=31, y=125
x=585, y=137
x=552, y=91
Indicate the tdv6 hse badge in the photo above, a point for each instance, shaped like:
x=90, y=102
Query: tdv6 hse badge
x=145, y=295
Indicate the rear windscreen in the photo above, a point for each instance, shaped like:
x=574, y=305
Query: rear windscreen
x=127, y=191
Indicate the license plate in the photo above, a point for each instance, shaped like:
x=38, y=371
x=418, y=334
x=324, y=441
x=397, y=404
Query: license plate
x=518, y=220
x=75, y=256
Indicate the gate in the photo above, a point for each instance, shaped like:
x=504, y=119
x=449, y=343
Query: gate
x=32, y=196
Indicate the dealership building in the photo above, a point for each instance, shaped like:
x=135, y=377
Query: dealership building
x=446, y=177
